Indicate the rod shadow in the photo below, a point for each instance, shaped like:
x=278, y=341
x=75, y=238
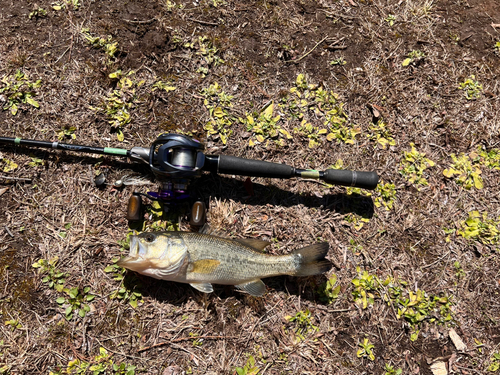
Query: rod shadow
x=258, y=194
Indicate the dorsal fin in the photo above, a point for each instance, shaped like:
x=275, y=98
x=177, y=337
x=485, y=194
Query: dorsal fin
x=253, y=243
x=207, y=229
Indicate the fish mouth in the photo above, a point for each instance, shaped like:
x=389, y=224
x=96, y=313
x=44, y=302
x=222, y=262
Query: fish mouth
x=135, y=254
x=134, y=247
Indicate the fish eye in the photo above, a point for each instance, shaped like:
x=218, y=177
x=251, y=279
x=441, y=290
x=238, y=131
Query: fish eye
x=150, y=237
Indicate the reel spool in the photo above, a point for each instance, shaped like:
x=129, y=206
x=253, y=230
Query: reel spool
x=176, y=156
x=175, y=160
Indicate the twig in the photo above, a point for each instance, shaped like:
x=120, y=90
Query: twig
x=15, y=178
x=312, y=49
x=185, y=339
x=324, y=308
x=140, y=22
x=8, y=231
x=433, y=263
x=60, y=57
x=203, y=22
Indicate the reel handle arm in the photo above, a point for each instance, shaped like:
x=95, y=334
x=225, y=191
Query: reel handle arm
x=257, y=168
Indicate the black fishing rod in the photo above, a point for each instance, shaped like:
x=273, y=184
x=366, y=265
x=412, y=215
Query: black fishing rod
x=176, y=159
x=179, y=156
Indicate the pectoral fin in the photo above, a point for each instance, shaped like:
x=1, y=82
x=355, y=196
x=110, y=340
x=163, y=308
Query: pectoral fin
x=204, y=266
x=203, y=287
x=255, y=287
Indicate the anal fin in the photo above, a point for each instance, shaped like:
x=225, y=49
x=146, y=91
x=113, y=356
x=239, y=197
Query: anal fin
x=203, y=287
x=255, y=287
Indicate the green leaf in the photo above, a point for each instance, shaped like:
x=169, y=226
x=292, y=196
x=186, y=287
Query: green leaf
x=61, y=300
x=110, y=268
x=10, y=165
x=59, y=287
x=32, y=101
x=115, y=75
x=406, y=61
x=268, y=112
x=223, y=138
x=73, y=292
x=218, y=112
x=68, y=310
x=478, y=182
x=120, y=136
x=449, y=172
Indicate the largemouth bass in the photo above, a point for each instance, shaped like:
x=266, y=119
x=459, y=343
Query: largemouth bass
x=202, y=259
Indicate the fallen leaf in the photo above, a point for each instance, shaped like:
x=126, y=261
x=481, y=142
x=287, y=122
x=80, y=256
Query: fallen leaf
x=457, y=341
x=3, y=190
x=439, y=368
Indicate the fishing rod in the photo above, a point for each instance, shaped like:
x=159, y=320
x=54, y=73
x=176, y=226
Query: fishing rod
x=176, y=159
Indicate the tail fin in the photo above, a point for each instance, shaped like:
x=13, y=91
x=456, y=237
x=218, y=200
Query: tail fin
x=313, y=260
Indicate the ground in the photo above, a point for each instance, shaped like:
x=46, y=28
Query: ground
x=408, y=89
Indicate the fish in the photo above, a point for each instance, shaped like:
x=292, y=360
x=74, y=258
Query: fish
x=201, y=259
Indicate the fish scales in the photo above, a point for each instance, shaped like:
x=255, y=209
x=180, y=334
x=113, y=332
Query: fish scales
x=238, y=261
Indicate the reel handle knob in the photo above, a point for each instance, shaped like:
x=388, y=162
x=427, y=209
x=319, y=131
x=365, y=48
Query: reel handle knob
x=134, y=208
x=198, y=214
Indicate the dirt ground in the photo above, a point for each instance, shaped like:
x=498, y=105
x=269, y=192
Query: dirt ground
x=352, y=84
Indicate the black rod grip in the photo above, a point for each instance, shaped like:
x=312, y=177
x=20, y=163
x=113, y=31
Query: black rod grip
x=255, y=168
x=364, y=180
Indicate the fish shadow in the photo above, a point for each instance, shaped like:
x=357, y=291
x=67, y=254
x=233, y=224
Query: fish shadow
x=310, y=288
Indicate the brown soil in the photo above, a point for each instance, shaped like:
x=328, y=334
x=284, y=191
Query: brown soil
x=254, y=50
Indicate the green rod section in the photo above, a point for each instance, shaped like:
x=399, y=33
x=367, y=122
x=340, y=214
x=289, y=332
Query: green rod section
x=115, y=151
